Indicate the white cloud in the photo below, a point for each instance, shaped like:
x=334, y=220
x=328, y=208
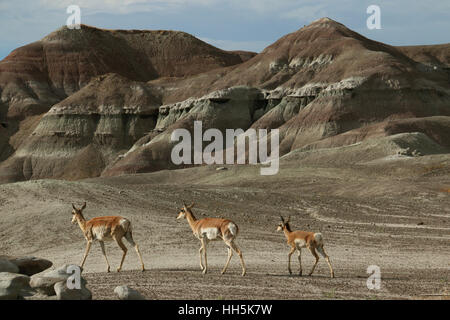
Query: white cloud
x=123, y=6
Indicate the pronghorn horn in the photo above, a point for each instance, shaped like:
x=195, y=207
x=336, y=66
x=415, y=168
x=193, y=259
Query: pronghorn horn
x=192, y=205
x=84, y=206
x=282, y=220
x=289, y=219
x=73, y=206
x=184, y=204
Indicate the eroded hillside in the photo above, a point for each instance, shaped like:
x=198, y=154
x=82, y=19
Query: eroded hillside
x=323, y=86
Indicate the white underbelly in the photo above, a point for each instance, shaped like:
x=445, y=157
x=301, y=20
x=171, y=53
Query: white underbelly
x=103, y=237
x=300, y=243
x=210, y=233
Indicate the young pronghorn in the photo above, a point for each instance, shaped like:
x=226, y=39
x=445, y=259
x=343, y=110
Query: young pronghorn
x=209, y=229
x=303, y=239
x=105, y=228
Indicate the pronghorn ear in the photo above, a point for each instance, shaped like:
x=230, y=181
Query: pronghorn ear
x=84, y=206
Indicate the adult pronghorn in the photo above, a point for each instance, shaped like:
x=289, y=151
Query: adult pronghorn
x=303, y=239
x=209, y=229
x=105, y=228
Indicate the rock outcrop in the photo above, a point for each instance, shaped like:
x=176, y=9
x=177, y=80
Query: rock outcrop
x=8, y=266
x=31, y=265
x=64, y=293
x=13, y=286
x=45, y=282
x=232, y=108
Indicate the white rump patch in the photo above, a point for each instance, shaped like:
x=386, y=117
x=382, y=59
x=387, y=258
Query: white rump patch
x=125, y=224
x=233, y=229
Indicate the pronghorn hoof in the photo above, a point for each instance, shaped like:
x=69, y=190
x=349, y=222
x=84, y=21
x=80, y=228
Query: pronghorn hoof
x=204, y=271
x=300, y=273
x=244, y=273
x=118, y=269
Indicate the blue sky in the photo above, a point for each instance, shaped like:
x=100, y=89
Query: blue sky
x=228, y=24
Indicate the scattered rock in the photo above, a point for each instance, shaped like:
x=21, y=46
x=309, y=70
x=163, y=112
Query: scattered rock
x=64, y=293
x=127, y=293
x=416, y=153
x=8, y=266
x=31, y=265
x=44, y=282
x=13, y=286
x=409, y=152
x=405, y=152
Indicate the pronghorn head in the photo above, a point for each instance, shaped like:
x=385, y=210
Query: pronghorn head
x=184, y=210
x=77, y=212
x=283, y=224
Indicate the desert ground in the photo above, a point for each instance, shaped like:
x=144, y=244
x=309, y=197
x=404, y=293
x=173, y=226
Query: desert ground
x=393, y=213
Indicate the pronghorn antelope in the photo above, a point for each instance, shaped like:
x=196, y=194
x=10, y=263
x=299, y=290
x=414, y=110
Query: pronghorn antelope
x=209, y=229
x=303, y=239
x=105, y=228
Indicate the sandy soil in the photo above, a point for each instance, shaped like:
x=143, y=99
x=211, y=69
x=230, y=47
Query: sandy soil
x=393, y=215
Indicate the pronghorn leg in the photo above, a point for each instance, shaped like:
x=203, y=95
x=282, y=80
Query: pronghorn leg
x=88, y=248
x=124, y=249
x=300, y=260
x=205, y=270
x=324, y=254
x=289, y=259
x=200, y=252
x=129, y=237
x=230, y=254
x=239, y=252
x=314, y=253
x=102, y=245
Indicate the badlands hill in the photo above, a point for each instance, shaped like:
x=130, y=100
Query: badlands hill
x=90, y=102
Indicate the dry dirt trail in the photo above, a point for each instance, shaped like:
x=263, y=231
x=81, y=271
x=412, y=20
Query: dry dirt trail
x=398, y=222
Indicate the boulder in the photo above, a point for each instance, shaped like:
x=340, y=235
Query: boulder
x=13, y=286
x=31, y=265
x=44, y=282
x=127, y=293
x=64, y=293
x=7, y=266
